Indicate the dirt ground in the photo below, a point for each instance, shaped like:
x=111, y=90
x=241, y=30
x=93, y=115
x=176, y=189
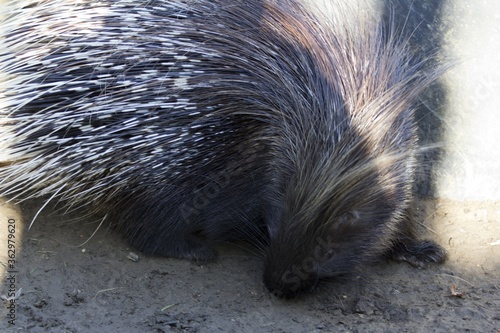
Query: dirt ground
x=98, y=287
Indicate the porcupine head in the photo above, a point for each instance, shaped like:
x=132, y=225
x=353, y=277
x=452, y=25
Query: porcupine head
x=344, y=168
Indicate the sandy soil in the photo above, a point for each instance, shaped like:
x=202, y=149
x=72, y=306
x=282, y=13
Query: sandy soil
x=97, y=287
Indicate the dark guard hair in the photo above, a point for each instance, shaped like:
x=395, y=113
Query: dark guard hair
x=187, y=123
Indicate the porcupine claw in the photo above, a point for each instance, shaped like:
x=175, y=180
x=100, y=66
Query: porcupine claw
x=417, y=253
x=182, y=247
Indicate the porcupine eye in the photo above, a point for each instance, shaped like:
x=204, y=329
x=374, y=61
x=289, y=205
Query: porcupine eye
x=349, y=217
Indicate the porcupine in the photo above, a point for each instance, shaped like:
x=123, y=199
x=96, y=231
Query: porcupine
x=187, y=123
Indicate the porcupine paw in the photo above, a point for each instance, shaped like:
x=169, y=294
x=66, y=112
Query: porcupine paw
x=181, y=248
x=200, y=253
x=190, y=248
x=417, y=253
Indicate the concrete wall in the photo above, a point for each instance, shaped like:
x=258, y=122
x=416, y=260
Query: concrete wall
x=470, y=168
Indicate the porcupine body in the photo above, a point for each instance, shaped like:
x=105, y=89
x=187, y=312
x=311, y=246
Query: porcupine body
x=191, y=122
